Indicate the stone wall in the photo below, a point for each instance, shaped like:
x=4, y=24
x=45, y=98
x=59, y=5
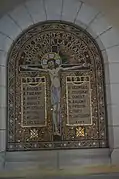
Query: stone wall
x=34, y=11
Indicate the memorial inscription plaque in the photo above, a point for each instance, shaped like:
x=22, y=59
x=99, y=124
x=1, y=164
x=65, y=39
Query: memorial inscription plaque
x=56, y=96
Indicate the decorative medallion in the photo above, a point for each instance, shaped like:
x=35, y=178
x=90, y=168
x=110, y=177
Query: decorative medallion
x=80, y=132
x=56, y=90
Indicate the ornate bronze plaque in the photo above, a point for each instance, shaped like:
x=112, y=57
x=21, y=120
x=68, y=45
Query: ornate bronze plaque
x=56, y=90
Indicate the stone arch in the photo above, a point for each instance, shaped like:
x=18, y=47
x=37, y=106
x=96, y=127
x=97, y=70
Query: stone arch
x=11, y=25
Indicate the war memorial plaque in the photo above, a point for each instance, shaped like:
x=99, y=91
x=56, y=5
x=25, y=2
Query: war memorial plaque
x=56, y=95
x=33, y=102
x=79, y=112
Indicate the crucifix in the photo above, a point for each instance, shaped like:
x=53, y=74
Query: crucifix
x=51, y=63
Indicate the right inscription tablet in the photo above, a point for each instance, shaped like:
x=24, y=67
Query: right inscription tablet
x=78, y=100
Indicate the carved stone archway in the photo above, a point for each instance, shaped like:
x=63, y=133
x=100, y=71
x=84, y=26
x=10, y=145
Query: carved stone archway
x=75, y=46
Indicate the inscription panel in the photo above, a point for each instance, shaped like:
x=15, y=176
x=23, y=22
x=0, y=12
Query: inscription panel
x=33, y=102
x=79, y=110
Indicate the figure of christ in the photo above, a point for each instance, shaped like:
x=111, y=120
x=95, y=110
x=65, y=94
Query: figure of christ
x=54, y=72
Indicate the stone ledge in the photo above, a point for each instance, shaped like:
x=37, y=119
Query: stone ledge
x=84, y=171
x=40, y=155
x=56, y=159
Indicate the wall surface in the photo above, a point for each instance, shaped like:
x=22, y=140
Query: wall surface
x=91, y=19
x=109, y=7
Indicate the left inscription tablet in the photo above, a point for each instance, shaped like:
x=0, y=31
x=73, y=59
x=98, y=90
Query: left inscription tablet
x=33, y=102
